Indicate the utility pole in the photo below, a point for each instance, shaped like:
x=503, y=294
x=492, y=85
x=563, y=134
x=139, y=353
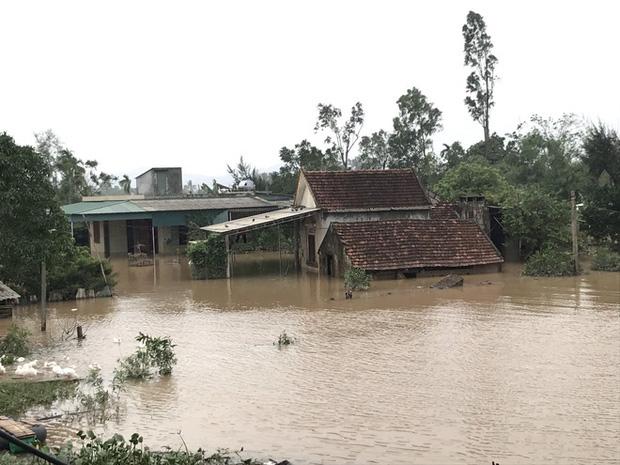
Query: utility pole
x=574, y=231
x=43, y=297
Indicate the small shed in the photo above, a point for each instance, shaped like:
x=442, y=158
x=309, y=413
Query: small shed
x=8, y=298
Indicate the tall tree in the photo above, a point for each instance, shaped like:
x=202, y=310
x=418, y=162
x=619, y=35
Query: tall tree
x=33, y=228
x=411, y=142
x=308, y=157
x=342, y=136
x=244, y=171
x=375, y=151
x=481, y=81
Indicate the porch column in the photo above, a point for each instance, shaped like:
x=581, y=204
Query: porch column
x=227, y=242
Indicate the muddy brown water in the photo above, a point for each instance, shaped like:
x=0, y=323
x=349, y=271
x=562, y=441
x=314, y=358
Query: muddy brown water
x=521, y=370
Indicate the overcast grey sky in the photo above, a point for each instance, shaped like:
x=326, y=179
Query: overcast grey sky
x=196, y=84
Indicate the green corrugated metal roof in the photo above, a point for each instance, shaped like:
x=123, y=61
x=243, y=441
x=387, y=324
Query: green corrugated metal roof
x=83, y=207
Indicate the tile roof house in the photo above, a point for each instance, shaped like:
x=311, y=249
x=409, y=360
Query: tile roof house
x=382, y=221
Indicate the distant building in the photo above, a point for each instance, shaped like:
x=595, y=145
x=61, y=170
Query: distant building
x=379, y=220
x=160, y=182
x=156, y=220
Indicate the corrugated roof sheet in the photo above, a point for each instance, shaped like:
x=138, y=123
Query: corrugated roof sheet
x=211, y=203
x=366, y=189
x=6, y=293
x=109, y=207
x=262, y=220
x=406, y=244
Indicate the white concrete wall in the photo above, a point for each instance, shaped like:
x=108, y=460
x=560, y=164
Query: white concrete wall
x=96, y=249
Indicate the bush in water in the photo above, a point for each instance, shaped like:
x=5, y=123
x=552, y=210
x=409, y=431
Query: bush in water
x=549, y=262
x=605, y=259
x=156, y=352
x=14, y=344
x=356, y=279
x=208, y=258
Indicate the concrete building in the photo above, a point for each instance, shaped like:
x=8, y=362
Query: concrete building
x=155, y=225
x=379, y=220
x=160, y=182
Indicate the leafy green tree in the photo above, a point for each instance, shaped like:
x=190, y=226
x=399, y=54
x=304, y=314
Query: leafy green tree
x=414, y=126
x=601, y=211
x=536, y=219
x=547, y=153
x=71, y=177
x=375, y=151
x=494, y=150
x=308, y=157
x=33, y=228
x=473, y=178
x=602, y=153
x=481, y=81
x=341, y=136
x=452, y=154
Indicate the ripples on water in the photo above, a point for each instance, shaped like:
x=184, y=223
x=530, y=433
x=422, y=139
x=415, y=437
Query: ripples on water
x=519, y=371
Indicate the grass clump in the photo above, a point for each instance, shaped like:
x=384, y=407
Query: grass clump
x=15, y=344
x=156, y=353
x=605, y=259
x=356, y=279
x=18, y=397
x=549, y=262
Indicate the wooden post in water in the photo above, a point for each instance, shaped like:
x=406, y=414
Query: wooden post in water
x=227, y=242
x=80, y=333
x=279, y=250
x=43, y=297
x=574, y=231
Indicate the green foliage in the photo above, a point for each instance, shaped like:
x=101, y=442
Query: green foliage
x=118, y=450
x=284, y=339
x=243, y=171
x=94, y=399
x=546, y=153
x=208, y=258
x=535, y=218
x=549, y=261
x=356, y=279
x=197, y=220
x=18, y=397
x=605, y=259
x=155, y=353
x=341, y=135
x=15, y=344
x=33, y=228
x=81, y=270
x=473, y=178
x=481, y=81
x=417, y=120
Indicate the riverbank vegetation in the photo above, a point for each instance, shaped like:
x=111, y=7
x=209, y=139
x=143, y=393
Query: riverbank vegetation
x=14, y=344
x=605, y=259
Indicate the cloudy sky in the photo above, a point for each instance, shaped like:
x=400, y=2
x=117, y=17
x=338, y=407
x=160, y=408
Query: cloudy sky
x=197, y=84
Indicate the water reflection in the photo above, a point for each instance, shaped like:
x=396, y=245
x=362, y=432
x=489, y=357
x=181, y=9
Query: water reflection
x=521, y=370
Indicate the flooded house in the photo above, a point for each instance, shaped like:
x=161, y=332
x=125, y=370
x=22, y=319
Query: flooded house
x=381, y=221
x=157, y=218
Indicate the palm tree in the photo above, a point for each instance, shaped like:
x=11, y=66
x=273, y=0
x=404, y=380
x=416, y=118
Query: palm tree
x=125, y=183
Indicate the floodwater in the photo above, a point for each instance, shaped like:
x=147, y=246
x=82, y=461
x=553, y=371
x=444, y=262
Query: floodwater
x=520, y=370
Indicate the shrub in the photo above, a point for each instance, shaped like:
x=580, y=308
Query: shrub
x=208, y=258
x=156, y=352
x=605, y=259
x=14, y=344
x=356, y=279
x=549, y=262
x=81, y=270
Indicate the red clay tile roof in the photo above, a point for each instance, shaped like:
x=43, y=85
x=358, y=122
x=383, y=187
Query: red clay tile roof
x=405, y=244
x=366, y=189
x=444, y=211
